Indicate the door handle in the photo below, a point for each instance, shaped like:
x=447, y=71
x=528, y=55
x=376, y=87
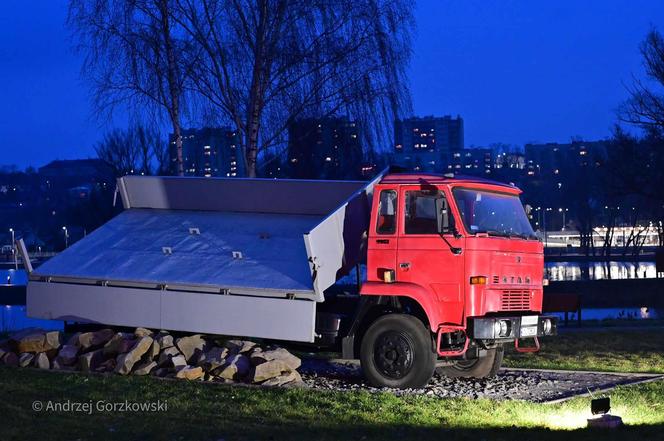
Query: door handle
x=404, y=266
x=382, y=240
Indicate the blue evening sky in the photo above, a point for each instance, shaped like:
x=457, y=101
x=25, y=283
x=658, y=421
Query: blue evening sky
x=516, y=71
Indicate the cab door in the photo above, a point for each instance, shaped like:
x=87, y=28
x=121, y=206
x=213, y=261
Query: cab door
x=425, y=257
x=382, y=250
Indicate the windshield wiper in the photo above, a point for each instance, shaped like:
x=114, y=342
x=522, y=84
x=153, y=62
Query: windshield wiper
x=508, y=234
x=496, y=233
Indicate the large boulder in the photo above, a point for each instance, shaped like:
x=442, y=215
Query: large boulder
x=25, y=359
x=269, y=369
x=67, y=355
x=281, y=354
x=90, y=361
x=166, y=355
x=154, y=350
x=42, y=361
x=190, y=373
x=145, y=368
x=178, y=361
x=190, y=345
x=119, y=344
x=212, y=359
x=287, y=379
x=35, y=340
x=236, y=367
x=239, y=346
x=93, y=340
x=165, y=340
x=125, y=362
x=52, y=340
x=142, y=332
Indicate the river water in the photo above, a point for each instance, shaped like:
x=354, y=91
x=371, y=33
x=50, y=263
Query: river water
x=13, y=277
x=559, y=271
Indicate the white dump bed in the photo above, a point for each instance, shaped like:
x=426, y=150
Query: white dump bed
x=226, y=256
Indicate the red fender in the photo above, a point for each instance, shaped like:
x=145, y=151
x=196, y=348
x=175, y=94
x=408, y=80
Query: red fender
x=423, y=297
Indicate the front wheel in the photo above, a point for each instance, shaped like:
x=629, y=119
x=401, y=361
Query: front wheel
x=397, y=351
x=483, y=367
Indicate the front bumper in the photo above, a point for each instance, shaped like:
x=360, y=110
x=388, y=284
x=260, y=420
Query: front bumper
x=512, y=327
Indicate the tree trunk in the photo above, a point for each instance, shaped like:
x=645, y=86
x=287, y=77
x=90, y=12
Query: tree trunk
x=178, y=148
x=252, y=148
x=173, y=87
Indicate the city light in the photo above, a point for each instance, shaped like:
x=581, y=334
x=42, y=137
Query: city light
x=11, y=230
x=66, y=233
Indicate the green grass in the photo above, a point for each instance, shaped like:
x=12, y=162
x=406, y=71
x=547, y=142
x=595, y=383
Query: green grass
x=197, y=411
x=634, y=350
x=212, y=412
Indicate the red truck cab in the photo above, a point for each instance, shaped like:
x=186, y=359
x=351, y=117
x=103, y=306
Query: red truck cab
x=456, y=271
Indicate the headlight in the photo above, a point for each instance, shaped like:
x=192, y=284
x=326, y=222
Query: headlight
x=496, y=328
x=546, y=326
x=504, y=328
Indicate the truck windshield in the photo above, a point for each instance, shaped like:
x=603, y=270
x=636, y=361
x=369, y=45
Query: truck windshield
x=496, y=214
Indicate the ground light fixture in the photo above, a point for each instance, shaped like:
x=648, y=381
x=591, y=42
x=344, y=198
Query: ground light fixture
x=600, y=408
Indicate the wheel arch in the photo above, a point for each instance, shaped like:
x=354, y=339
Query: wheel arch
x=376, y=306
x=419, y=299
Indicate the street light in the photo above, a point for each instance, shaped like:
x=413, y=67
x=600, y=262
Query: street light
x=563, y=211
x=11, y=230
x=66, y=236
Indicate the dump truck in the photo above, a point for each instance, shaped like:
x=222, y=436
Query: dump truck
x=447, y=269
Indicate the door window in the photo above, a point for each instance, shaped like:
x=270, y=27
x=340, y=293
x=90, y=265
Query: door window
x=420, y=212
x=386, y=222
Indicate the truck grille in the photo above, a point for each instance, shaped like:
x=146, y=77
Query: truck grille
x=515, y=300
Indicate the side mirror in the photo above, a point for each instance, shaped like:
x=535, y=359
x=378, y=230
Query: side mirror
x=443, y=217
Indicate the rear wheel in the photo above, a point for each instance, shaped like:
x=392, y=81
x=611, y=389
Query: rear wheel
x=397, y=351
x=482, y=367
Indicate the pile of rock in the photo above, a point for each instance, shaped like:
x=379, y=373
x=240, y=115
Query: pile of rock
x=144, y=352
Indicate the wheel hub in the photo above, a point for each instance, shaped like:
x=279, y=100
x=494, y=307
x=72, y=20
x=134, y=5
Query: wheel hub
x=393, y=354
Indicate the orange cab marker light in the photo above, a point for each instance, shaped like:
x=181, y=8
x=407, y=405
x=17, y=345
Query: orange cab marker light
x=478, y=280
x=545, y=282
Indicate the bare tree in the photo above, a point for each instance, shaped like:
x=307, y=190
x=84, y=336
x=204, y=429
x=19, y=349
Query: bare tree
x=137, y=150
x=646, y=104
x=119, y=151
x=266, y=63
x=134, y=57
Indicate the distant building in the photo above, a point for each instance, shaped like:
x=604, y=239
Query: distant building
x=471, y=161
x=428, y=143
x=553, y=158
x=209, y=152
x=326, y=148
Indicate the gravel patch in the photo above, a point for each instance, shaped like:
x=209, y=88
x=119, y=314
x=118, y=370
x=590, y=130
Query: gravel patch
x=510, y=384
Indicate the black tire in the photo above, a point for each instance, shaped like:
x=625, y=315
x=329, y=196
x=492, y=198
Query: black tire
x=397, y=351
x=483, y=367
